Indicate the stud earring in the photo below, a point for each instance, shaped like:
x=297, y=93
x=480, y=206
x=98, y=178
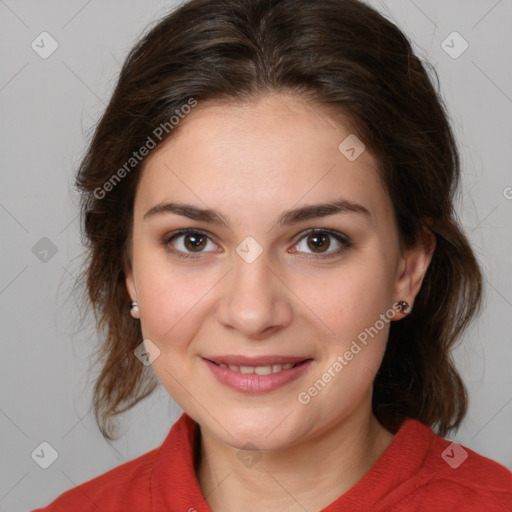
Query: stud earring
x=135, y=310
x=403, y=307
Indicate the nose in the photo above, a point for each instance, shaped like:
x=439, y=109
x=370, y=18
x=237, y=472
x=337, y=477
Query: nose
x=255, y=301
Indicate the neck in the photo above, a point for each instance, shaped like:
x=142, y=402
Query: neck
x=311, y=475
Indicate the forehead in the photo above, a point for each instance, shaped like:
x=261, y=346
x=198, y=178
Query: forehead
x=260, y=156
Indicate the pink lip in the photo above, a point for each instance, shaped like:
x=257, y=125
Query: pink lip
x=253, y=383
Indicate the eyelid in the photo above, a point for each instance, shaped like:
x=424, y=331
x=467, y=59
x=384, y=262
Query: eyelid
x=332, y=232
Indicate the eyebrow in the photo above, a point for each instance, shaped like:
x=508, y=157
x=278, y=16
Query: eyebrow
x=288, y=218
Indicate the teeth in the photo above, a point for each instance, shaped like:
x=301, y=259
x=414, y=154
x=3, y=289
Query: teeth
x=259, y=370
x=263, y=370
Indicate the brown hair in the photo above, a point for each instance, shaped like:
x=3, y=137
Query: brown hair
x=346, y=57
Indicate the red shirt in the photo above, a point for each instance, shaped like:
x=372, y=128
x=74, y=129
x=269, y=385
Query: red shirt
x=418, y=471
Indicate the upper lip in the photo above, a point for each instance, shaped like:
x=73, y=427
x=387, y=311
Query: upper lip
x=236, y=360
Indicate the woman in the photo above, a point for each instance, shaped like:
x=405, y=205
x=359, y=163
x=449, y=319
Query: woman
x=268, y=204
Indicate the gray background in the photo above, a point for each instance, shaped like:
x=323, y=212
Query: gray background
x=49, y=107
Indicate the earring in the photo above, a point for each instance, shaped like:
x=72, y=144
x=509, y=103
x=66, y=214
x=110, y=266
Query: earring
x=403, y=307
x=135, y=310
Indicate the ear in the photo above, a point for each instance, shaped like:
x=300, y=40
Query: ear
x=129, y=279
x=413, y=266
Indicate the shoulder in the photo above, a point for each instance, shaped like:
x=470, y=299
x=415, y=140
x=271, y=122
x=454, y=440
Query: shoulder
x=124, y=487
x=455, y=477
x=142, y=484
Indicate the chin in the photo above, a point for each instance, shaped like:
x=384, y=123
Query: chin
x=265, y=430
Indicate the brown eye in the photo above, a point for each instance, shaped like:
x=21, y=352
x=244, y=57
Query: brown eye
x=188, y=243
x=316, y=242
x=194, y=242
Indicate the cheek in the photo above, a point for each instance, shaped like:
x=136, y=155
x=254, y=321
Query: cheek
x=171, y=313
x=165, y=296
x=174, y=300
x=167, y=307
x=352, y=306
x=356, y=306
x=350, y=298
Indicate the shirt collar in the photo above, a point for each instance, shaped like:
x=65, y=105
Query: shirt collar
x=174, y=485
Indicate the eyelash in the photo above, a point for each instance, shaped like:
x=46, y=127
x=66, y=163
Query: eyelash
x=340, y=237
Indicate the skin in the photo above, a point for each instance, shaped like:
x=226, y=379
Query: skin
x=251, y=162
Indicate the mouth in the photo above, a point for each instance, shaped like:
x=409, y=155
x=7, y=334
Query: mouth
x=260, y=370
x=258, y=374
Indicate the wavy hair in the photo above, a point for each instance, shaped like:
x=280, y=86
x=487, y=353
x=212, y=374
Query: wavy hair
x=343, y=56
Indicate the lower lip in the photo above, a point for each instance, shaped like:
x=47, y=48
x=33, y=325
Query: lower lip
x=254, y=383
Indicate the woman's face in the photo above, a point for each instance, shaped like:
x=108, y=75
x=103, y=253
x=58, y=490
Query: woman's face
x=251, y=287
